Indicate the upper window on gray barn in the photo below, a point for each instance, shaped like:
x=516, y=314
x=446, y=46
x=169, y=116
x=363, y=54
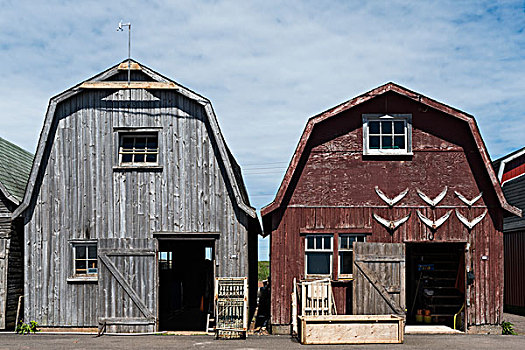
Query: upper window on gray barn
x=385, y=134
x=138, y=149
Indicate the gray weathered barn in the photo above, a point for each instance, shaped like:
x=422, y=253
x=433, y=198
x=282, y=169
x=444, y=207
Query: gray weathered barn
x=133, y=206
x=15, y=165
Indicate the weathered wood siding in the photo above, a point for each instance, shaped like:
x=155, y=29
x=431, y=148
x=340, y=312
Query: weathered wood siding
x=334, y=189
x=10, y=264
x=79, y=195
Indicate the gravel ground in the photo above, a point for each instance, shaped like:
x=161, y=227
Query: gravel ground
x=419, y=342
x=44, y=341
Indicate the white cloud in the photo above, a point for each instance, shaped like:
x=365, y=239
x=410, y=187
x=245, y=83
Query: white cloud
x=269, y=66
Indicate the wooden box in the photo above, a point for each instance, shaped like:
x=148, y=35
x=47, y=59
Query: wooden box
x=351, y=329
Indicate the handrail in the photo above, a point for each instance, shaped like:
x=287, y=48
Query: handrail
x=457, y=313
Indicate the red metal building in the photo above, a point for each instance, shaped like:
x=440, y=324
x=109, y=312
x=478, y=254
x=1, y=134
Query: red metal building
x=351, y=163
x=511, y=171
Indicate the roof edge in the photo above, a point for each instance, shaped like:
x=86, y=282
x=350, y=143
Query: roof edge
x=390, y=86
x=8, y=195
x=50, y=116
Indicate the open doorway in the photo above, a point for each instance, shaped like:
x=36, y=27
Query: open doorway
x=186, y=275
x=435, y=283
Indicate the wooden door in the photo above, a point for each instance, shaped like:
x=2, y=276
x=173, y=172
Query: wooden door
x=379, y=279
x=127, y=285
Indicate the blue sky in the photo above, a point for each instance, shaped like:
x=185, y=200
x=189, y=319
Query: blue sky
x=267, y=66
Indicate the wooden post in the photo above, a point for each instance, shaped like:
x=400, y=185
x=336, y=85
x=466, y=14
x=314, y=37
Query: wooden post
x=294, y=307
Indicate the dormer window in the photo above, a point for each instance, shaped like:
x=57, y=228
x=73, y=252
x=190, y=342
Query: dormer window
x=387, y=134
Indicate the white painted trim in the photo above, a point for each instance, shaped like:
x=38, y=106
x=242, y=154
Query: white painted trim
x=407, y=118
x=512, y=179
x=505, y=161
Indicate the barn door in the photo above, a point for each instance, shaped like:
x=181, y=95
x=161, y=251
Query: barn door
x=3, y=280
x=127, y=285
x=379, y=278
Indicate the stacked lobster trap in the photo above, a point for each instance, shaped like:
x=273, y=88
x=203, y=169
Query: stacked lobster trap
x=231, y=297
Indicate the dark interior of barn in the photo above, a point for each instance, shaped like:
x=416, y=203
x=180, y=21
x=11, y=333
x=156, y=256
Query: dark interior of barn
x=435, y=284
x=185, y=284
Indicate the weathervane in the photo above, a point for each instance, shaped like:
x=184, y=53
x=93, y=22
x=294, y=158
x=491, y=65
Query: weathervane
x=120, y=29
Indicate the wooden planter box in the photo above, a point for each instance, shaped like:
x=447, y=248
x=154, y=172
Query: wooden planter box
x=351, y=329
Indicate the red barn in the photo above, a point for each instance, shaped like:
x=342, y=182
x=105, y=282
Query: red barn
x=395, y=167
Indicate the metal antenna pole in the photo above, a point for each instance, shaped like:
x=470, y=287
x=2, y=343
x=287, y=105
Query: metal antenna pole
x=129, y=53
x=120, y=25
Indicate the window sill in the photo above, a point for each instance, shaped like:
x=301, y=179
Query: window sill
x=387, y=153
x=137, y=168
x=83, y=279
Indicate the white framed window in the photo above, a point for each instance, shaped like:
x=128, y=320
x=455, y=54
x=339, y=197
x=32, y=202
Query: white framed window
x=85, y=259
x=346, y=253
x=318, y=254
x=385, y=134
x=138, y=149
x=165, y=260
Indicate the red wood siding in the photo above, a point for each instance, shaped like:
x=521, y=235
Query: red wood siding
x=334, y=189
x=515, y=268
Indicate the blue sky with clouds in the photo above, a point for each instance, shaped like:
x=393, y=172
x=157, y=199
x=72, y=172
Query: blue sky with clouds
x=267, y=66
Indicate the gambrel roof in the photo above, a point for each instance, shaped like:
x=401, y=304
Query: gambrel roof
x=312, y=122
x=15, y=166
x=158, y=81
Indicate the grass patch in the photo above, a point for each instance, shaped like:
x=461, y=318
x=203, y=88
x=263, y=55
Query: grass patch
x=263, y=270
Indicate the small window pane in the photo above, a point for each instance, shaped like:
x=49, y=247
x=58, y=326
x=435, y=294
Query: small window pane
x=139, y=158
x=343, y=242
x=374, y=142
x=319, y=242
x=81, y=252
x=318, y=263
x=126, y=158
x=399, y=142
x=152, y=143
x=387, y=142
x=399, y=127
x=327, y=243
x=127, y=142
x=373, y=127
x=386, y=127
x=360, y=238
x=140, y=143
x=346, y=262
x=92, y=252
x=151, y=158
x=81, y=265
x=310, y=243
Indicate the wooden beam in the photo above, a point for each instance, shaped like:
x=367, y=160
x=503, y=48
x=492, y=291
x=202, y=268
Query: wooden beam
x=126, y=321
x=359, y=230
x=187, y=235
x=127, y=252
x=119, y=85
x=125, y=285
x=133, y=66
x=379, y=258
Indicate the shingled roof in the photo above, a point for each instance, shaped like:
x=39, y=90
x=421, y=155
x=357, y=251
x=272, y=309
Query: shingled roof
x=15, y=167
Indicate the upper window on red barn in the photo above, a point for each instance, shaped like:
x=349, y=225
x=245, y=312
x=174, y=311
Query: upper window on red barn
x=387, y=134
